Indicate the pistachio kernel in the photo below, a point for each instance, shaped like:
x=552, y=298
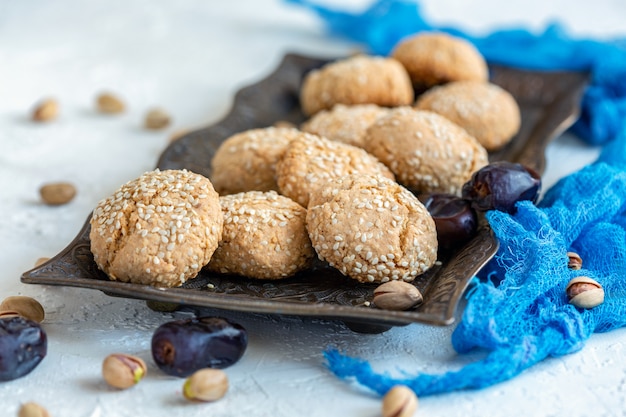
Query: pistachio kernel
x=109, y=103
x=206, y=385
x=397, y=295
x=57, y=193
x=157, y=119
x=23, y=306
x=32, y=409
x=123, y=371
x=45, y=111
x=584, y=292
x=574, y=262
x=400, y=401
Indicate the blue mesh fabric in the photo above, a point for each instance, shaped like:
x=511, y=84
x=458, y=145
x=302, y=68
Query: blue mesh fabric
x=603, y=106
x=525, y=317
x=520, y=314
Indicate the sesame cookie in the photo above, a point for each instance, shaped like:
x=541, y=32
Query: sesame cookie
x=246, y=161
x=159, y=229
x=359, y=79
x=437, y=58
x=425, y=151
x=264, y=236
x=487, y=111
x=343, y=123
x=372, y=229
x=310, y=161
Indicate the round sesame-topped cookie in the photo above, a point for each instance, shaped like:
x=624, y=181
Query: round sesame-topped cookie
x=359, y=79
x=343, y=123
x=246, y=161
x=159, y=229
x=372, y=229
x=433, y=58
x=487, y=111
x=425, y=151
x=310, y=161
x=264, y=236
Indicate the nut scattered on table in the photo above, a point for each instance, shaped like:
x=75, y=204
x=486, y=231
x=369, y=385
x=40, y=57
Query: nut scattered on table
x=397, y=295
x=109, y=103
x=57, y=193
x=206, y=385
x=31, y=409
x=574, y=262
x=41, y=261
x=585, y=292
x=400, y=401
x=23, y=306
x=46, y=110
x=123, y=371
x=157, y=119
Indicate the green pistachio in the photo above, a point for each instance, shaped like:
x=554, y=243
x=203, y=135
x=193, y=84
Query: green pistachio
x=20, y=305
x=206, y=385
x=123, y=371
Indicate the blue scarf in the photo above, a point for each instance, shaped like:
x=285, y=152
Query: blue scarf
x=525, y=317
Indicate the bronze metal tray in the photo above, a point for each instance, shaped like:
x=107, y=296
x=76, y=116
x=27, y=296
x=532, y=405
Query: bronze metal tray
x=549, y=104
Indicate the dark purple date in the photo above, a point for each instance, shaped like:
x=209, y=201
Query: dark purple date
x=23, y=345
x=455, y=219
x=181, y=347
x=499, y=185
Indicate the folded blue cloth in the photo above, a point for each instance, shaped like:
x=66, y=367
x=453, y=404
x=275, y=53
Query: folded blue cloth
x=521, y=315
x=526, y=317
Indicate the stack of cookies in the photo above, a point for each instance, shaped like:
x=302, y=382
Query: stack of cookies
x=336, y=187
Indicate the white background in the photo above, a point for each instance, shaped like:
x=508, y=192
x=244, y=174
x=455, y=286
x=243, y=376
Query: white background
x=190, y=57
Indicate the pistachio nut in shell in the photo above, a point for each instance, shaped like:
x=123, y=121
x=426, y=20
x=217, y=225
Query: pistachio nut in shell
x=400, y=401
x=397, y=295
x=206, y=384
x=109, y=103
x=585, y=292
x=574, y=261
x=123, y=371
x=32, y=409
x=24, y=306
x=46, y=110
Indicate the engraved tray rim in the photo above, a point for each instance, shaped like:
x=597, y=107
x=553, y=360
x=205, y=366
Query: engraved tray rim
x=556, y=93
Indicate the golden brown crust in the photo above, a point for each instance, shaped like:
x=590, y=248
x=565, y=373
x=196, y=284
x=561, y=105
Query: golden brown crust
x=372, y=229
x=425, y=151
x=246, y=161
x=159, y=229
x=485, y=110
x=360, y=79
x=346, y=124
x=433, y=58
x=310, y=161
x=264, y=236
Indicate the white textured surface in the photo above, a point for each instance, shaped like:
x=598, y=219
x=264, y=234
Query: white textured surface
x=190, y=57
